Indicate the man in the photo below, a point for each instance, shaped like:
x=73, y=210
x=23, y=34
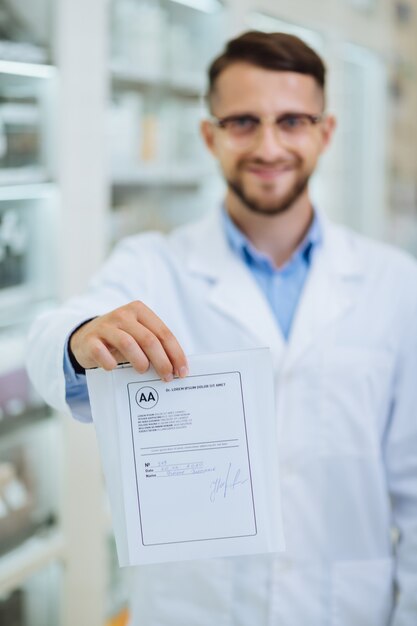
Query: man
x=339, y=314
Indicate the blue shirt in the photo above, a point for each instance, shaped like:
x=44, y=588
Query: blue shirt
x=282, y=286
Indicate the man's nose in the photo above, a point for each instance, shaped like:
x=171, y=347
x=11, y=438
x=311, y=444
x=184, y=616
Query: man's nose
x=269, y=142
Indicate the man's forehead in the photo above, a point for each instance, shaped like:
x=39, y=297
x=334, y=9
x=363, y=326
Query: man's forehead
x=249, y=86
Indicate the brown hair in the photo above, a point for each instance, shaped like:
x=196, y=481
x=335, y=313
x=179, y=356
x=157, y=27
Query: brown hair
x=271, y=51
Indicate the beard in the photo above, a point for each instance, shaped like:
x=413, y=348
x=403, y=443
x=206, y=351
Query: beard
x=281, y=205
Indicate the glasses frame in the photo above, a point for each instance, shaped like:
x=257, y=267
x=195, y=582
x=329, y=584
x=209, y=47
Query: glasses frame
x=262, y=120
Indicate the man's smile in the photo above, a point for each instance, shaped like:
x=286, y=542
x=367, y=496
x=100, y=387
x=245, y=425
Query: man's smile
x=268, y=172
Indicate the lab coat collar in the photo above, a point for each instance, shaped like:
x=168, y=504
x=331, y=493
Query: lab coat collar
x=327, y=294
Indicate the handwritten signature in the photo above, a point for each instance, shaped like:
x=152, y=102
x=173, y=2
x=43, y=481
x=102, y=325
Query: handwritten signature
x=222, y=486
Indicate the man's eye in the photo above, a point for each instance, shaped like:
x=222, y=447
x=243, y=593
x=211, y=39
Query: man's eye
x=242, y=124
x=292, y=122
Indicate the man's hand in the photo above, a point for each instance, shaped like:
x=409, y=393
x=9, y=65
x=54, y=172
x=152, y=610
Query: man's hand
x=134, y=334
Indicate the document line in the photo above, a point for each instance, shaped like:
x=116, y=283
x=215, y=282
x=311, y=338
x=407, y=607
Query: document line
x=194, y=443
x=190, y=450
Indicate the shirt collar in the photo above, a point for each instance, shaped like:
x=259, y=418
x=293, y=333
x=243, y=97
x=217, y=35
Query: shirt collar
x=247, y=251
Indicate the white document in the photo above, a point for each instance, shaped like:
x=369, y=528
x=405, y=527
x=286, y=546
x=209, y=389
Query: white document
x=191, y=466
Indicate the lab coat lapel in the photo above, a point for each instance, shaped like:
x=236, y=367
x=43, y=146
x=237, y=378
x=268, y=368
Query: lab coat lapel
x=327, y=295
x=329, y=290
x=234, y=291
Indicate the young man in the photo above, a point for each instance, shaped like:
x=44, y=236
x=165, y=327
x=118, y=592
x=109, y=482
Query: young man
x=339, y=314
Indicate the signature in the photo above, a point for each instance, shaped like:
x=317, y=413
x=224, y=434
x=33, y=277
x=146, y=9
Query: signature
x=222, y=486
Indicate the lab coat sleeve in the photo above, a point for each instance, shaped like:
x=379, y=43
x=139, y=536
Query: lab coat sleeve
x=122, y=279
x=401, y=459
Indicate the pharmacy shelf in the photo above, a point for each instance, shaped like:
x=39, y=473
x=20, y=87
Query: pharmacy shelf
x=20, y=114
x=187, y=83
x=27, y=70
x=185, y=175
x=23, y=59
x=12, y=426
x=31, y=556
x=28, y=191
x=17, y=304
x=31, y=175
x=22, y=52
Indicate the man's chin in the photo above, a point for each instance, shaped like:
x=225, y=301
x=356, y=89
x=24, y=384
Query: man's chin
x=272, y=205
x=269, y=202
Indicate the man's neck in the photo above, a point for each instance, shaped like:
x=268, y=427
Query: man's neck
x=279, y=235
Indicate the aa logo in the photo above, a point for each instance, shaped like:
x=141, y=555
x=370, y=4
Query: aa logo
x=147, y=397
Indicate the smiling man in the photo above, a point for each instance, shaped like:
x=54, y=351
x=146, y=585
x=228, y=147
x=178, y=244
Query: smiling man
x=339, y=313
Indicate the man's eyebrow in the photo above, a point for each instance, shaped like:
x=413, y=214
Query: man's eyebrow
x=240, y=114
x=257, y=115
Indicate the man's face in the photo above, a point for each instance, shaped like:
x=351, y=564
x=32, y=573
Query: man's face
x=270, y=170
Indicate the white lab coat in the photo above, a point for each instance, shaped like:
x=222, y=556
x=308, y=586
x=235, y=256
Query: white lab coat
x=346, y=396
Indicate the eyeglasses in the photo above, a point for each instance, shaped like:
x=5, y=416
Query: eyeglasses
x=244, y=130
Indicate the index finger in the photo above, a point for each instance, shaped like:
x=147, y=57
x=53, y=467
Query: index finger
x=169, y=342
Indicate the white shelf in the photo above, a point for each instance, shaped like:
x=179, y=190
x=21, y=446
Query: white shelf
x=163, y=175
x=20, y=114
x=22, y=52
x=31, y=175
x=36, y=191
x=33, y=555
x=189, y=83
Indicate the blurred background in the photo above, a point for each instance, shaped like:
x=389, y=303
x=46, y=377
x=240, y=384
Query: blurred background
x=99, y=108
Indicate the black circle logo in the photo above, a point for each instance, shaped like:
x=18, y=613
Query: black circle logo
x=147, y=397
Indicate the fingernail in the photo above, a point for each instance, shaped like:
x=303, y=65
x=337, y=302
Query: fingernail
x=183, y=372
x=169, y=378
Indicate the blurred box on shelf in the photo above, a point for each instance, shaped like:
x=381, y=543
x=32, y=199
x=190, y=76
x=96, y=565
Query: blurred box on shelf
x=140, y=32
x=20, y=123
x=11, y=609
x=20, y=404
x=29, y=499
x=121, y=619
x=16, y=504
x=27, y=244
x=13, y=243
x=35, y=601
x=125, y=128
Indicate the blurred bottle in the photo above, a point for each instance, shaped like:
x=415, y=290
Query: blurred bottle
x=181, y=54
x=125, y=129
x=13, y=492
x=141, y=28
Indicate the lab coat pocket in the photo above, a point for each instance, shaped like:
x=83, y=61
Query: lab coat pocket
x=356, y=388
x=188, y=593
x=362, y=592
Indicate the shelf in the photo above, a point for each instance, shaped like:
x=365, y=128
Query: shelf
x=27, y=70
x=19, y=114
x=22, y=52
x=18, y=309
x=14, y=302
x=188, y=83
x=35, y=191
x=30, y=175
x=30, y=557
x=165, y=176
x=12, y=425
x=21, y=59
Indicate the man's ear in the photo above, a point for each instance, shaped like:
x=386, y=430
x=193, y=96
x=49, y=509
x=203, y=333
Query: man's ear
x=328, y=128
x=207, y=133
